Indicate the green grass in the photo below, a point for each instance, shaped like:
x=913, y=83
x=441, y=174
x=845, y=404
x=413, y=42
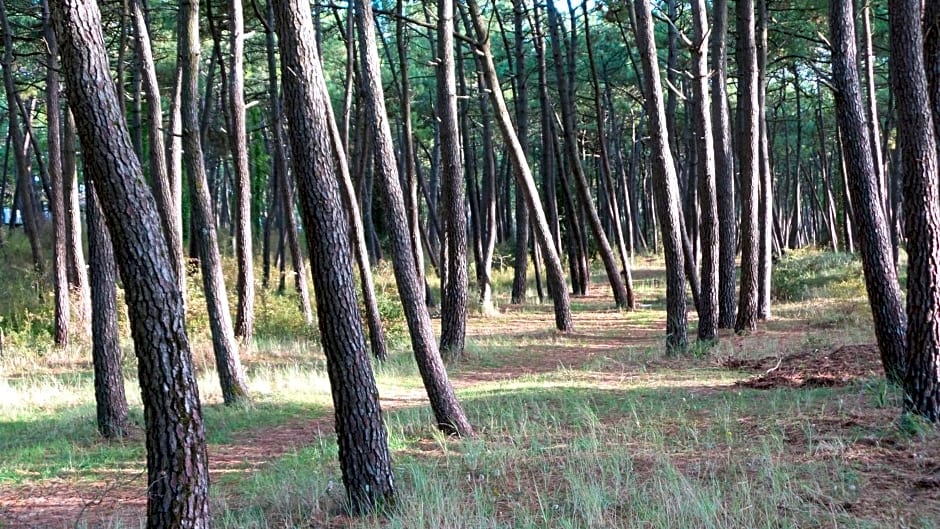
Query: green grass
x=595, y=429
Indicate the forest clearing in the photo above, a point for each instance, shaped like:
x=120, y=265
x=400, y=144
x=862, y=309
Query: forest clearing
x=790, y=426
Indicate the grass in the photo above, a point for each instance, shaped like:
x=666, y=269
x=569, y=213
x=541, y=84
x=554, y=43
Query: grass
x=596, y=428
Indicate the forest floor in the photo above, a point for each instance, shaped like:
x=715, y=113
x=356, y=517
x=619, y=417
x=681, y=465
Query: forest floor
x=789, y=426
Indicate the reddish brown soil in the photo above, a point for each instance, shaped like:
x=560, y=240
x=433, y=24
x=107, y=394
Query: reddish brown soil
x=807, y=369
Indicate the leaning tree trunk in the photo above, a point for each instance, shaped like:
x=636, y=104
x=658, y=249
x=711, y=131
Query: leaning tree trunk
x=724, y=167
x=749, y=158
x=177, y=468
x=523, y=173
x=23, y=178
x=231, y=376
x=363, y=442
x=665, y=182
x=621, y=296
x=110, y=400
x=450, y=416
x=881, y=281
x=705, y=165
x=162, y=190
x=918, y=167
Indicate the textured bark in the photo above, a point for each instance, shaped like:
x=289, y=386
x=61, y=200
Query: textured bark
x=244, y=256
x=665, y=182
x=705, y=165
x=521, y=103
x=871, y=109
x=78, y=274
x=160, y=183
x=60, y=280
x=524, y=181
x=231, y=375
x=881, y=280
x=621, y=296
x=363, y=442
x=724, y=167
x=447, y=410
x=110, y=400
x=765, y=216
x=918, y=167
x=454, y=293
x=178, y=479
x=749, y=159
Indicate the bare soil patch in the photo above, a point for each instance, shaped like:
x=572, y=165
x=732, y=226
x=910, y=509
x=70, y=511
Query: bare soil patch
x=835, y=367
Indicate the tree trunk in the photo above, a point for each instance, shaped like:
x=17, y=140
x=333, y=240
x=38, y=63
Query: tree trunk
x=880, y=280
x=605, y=168
x=749, y=159
x=665, y=182
x=765, y=214
x=705, y=164
x=245, y=285
x=111, y=403
x=78, y=274
x=360, y=433
x=57, y=199
x=447, y=410
x=621, y=296
x=24, y=179
x=177, y=470
x=724, y=167
x=524, y=180
x=521, y=103
x=231, y=376
x=454, y=289
x=918, y=167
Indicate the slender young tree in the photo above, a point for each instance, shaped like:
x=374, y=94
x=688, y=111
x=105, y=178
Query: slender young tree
x=705, y=165
x=665, y=182
x=724, y=166
x=447, y=410
x=57, y=200
x=454, y=293
x=570, y=142
x=231, y=375
x=881, y=282
x=525, y=182
x=110, y=400
x=160, y=182
x=238, y=142
x=363, y=442
x=177, y=469
x=78, y=277
x=918, y=169
x=748, y=159
x=765, y=215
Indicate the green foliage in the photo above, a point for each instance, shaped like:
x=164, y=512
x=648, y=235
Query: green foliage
x=809, y=274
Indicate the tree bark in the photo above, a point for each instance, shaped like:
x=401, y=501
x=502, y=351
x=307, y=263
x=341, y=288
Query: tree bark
x=665, y=182
x=244, y=256
x=881, y=281
x=450, y=416
x=724, y=168
x=918, y=151
x=363, y=442
x=231, y=375
x=749, y=159
x=177, y=470
x=78, y=273
x=57, y=199
x=705, y=164
x=110, y=400
x=765, y=214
